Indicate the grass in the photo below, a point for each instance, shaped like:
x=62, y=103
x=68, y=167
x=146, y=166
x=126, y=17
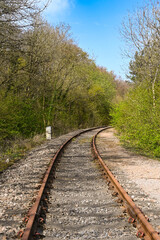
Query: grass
x=85, y=140
x=16, y=150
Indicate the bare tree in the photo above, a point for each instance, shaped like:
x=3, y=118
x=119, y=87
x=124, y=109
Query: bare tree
x=15, y=17
x=141, y=31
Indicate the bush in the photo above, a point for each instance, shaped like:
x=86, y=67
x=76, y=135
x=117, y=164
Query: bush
x=138, y=121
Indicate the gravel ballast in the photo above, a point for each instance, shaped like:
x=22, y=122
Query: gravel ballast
x=19, y=185
x=80, y=204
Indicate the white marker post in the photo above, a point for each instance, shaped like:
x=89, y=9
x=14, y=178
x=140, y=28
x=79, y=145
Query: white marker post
x=48, y=133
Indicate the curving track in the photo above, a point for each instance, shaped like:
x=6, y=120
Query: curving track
x=137, y=217
x=74, y=201
x=80, y=205
x=77, y=205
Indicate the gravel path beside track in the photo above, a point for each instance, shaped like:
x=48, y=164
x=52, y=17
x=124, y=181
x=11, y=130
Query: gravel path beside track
x=139, y=176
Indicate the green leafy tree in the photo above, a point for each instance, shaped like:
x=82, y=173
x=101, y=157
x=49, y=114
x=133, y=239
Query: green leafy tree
x=136, y=117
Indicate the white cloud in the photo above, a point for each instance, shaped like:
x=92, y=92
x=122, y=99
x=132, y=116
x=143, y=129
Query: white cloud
x=57, y=6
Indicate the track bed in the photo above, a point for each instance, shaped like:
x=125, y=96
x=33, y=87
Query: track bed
x=78, y=200
x=80, y=205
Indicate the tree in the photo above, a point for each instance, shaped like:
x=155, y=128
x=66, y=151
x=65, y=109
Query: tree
x=137, y=116
x=49, y=80
x=15, y=16
x=141, y=32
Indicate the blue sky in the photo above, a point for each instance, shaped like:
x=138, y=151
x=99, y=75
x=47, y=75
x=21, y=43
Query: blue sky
x=95, y=26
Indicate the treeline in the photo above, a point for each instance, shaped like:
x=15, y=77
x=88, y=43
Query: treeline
x=137, y=117
x=46, y=79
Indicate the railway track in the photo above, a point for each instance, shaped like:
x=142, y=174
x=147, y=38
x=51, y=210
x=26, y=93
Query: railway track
x=73, y=200
x=74, y=203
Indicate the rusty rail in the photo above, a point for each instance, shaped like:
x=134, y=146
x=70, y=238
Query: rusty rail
x=36, y=208
x=145, y=229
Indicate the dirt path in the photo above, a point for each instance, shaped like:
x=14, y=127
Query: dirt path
x=140, y=176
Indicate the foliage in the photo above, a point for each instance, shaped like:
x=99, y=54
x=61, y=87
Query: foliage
x=137, y=120
x=15, y=150
x=137, y=116
x=49, y=80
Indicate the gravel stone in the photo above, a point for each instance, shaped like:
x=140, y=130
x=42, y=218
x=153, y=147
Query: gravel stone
x=139, y=175
x=81, y=206
x=19, y=185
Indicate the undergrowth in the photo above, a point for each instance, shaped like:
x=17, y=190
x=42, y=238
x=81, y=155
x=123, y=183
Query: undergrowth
x=12, y=151
x=137, y=122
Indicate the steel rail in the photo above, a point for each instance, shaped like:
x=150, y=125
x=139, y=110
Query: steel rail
x=147, y=229
x=29, y=230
